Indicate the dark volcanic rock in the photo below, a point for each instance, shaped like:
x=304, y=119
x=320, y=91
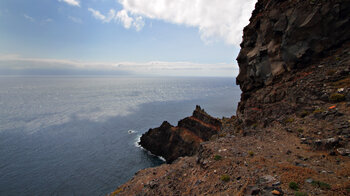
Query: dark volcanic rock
x=292, y=54
x=172, y=142
x=285, y=35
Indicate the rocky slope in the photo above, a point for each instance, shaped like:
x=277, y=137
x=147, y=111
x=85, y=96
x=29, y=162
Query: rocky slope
x=172, y=142
x=292, y=129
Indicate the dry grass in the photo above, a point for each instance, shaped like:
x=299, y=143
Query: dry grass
x=291, y=173
x=116, y=192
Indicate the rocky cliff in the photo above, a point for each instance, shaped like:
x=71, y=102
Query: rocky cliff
x=283, y=39
x=291, y=135
x=183, y=140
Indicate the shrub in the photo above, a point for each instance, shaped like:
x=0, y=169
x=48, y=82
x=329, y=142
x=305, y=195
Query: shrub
x=300, y=193
x=300, y=130
x=217, y=157
x=289, y=120
x=251, y=153
x=336, y=97
x=318, y=110
x=321, y=185
x=294, y=186
x=225, y=178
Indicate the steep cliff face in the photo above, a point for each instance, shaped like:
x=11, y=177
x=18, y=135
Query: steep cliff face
x=286, y=35
x=283, y=38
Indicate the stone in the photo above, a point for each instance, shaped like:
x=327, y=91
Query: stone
x=343, y=151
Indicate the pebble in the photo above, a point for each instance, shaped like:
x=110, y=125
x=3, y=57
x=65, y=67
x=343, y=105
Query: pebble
x=343, y=151
x=309, y=180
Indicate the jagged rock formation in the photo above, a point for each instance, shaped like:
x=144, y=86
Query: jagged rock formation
x=172, y=142
x=282, y=38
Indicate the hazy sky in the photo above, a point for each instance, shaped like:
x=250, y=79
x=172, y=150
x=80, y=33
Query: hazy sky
x=162, y=37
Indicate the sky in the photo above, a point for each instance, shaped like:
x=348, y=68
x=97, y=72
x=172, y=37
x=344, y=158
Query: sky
x=122, y=37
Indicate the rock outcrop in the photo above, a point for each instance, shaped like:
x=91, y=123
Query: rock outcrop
x=286, y=35
x=282, y=40
x=183, y=140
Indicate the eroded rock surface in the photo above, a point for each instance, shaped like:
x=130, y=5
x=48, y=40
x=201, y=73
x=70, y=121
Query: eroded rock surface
x=286, y=35
x=183, y=140
x=292, y=52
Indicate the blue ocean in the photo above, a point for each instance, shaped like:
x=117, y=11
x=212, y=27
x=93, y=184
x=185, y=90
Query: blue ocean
x=78, y=135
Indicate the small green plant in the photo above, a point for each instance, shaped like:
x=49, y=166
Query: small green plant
x=320, y=184
x=318, y=110
x=251, y=153
x=300, y=194
x=225, y=178
x=294, y=186
x=217, y=157
x=289, y=120
x=300, y=130
x=255, y=125
x=336, y=97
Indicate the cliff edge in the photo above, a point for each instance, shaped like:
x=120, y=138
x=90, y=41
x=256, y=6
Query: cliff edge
x=292, y=129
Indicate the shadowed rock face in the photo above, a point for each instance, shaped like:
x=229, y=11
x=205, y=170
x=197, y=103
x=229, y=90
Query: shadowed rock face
x=172, y=142
x=285, y=35
x=288, y=50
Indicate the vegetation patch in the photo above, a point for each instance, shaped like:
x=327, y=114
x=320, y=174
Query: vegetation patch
x=292, y=173
x=294, y=186
x=318, y=110
x=336, y=97
x=251, y=153
x=217, y=157
x=289, y=120
x=321, y=185
x=225, y=178
x=300, y=194
x=116, y=192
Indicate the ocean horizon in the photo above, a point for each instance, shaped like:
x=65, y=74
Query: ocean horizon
x=78, y=135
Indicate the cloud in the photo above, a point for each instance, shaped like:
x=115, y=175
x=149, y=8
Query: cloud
x=76, y=20
x=214, y=18
x=97, y=14
x=29, y=18
x=48, y=20
x=71, y=2
x=121, y=16
x=17, y=64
